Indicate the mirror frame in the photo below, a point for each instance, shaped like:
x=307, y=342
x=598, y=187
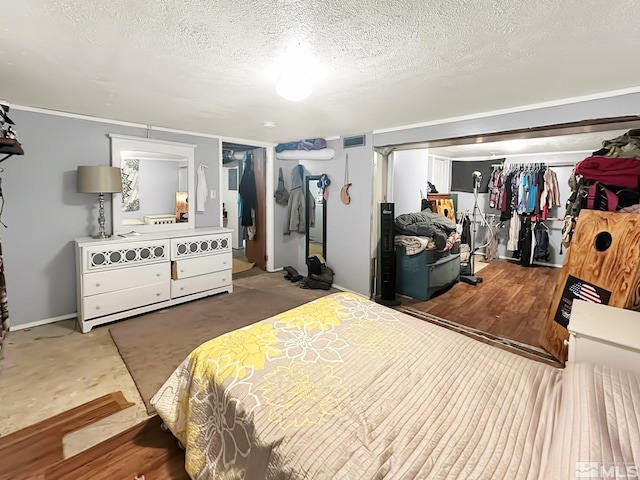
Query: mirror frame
x=122, y=147
x=324, y=219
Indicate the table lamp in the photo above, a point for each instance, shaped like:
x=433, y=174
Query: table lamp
x=100, y=180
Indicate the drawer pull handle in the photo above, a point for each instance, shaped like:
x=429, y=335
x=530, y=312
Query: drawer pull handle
x=97, y=307
x=158, y=274
x=98, y=284
x=158, y=294
x=224, y=279
x=181, y=270
x=181, y=288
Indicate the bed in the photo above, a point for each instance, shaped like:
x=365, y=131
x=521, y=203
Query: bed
x=343, y=388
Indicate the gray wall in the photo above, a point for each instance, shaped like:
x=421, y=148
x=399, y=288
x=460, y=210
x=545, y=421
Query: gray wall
x=44, y=213
x=602, y=108
x=348, y=226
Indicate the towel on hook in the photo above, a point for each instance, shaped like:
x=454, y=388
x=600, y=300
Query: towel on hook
x=201, y=189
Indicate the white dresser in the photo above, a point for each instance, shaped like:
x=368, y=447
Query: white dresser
x=121, y=277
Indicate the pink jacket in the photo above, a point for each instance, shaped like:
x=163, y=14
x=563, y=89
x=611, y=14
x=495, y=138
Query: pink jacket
x=551, y=194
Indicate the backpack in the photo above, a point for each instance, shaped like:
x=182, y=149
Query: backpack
x=281, y=195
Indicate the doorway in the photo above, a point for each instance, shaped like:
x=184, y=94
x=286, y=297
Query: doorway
x=244, y=205
x=513, y=301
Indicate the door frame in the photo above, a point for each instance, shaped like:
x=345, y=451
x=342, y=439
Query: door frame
x=269, y=189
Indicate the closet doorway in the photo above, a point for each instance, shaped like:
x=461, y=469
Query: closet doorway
x=511, y=303
x=244, y=205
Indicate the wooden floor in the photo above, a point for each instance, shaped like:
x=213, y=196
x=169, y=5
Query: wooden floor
x=511, y=302
x=35, y=453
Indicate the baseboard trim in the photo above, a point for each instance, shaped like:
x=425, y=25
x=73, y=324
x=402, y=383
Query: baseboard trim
x=338, y=287
x=543, y=264
x=45, y=321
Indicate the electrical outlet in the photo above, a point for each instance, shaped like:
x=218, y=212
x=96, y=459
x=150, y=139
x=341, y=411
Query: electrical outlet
x=212, y=194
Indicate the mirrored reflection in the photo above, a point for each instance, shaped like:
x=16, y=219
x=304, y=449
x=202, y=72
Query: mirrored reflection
x=154, y=191
x=316, y=216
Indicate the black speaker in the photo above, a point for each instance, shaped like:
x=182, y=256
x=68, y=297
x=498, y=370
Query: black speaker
x=387, y=260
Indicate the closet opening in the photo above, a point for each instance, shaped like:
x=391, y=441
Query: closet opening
x=510, y=238
x=244, y=206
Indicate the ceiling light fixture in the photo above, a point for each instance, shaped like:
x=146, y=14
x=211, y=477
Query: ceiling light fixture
x=295, y=73
x=294, y=86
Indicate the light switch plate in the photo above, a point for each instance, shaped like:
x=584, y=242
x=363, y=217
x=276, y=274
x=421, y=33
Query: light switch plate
x=213, y=194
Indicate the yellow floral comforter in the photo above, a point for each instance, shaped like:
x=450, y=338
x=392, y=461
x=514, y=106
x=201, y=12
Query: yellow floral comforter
x=343, y=388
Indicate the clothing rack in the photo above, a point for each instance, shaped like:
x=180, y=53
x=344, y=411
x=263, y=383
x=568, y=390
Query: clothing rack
x=545, y=164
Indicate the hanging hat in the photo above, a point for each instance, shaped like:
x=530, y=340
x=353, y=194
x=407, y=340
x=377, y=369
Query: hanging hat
x=324, y=183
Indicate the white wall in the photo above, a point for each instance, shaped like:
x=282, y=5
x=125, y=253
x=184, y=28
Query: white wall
x=348, y=226
x=410, y=173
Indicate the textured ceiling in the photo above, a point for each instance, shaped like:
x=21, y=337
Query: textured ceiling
x=207, y=66
x=563, y=143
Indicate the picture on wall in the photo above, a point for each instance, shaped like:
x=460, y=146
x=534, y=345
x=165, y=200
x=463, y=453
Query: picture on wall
x=131, y=185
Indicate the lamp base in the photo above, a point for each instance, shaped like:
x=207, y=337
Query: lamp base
x=101, y=236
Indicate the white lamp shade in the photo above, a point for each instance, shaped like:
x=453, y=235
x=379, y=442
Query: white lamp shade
x=99, y=179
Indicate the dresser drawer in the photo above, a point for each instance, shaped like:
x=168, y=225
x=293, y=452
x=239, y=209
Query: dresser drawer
x=120, y=279
x=191, y=267
x=124, y=255
x=112, y=302
x=187, y=286
x=197, y=246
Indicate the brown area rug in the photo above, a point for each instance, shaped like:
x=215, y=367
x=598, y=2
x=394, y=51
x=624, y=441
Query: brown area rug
x=153, y=345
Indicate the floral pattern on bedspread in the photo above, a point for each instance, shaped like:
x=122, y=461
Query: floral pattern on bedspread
x=299, y=394
x=248, y=404
x=209, y=401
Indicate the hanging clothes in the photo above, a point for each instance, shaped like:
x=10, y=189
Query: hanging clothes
x=4, y=309
x=247, y=191
x=496, y=189
x=491, y=242
x=466, y=231
x=295, y=220
x=201, y=188
x=526, y=242
x=514, y=233
x=541, y=250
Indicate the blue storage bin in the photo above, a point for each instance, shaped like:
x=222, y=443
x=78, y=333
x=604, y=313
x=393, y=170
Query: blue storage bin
x=421, y=276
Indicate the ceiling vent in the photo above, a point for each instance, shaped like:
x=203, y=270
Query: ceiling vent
x=357, y=141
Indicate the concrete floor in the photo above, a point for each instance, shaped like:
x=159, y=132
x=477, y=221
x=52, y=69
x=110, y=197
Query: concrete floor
x=49, y=369
x=52, y=368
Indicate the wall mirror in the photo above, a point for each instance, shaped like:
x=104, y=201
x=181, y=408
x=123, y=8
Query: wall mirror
x=316, y=217
x=158, y=180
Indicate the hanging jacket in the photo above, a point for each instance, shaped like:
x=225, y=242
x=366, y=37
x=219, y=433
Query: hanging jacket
x=526, y=242
x=295, y=220
x=247, y=191
x=541, y=250
x=514, y=233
